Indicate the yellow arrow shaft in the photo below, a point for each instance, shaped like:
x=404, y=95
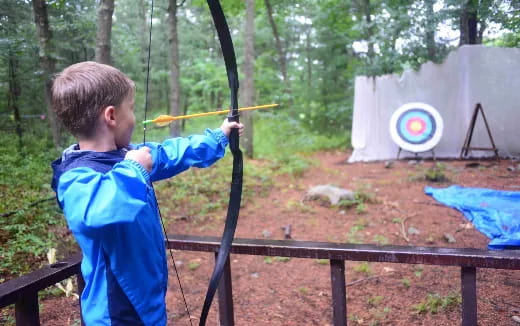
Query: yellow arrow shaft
x=169, y=118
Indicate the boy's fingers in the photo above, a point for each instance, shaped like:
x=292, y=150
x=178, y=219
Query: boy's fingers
x=235, y=124
x=145, y=148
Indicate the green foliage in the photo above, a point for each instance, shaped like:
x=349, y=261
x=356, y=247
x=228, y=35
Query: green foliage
x=355, y=318
x=278, y=136
x=303, y=290
x=419, y=271
x=434, y=303
x=363, y=268
x=375, y=300
x=322, y=261
x=194, y=264
x=269, y=260
x=27, y=233
x=200, y=192
x=362, y=197
x=361, y=208
x=353, y=236
x=380, y=239
x=508, y=40
x=436, y=173
x=364, y=194
x=397, y=220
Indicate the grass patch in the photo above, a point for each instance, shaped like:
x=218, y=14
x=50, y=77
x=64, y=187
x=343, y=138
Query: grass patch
x=434, y=303
x=353, y=236
x=380, y=239
x=435, y=173
x=194, y=264
x=363, y=268
x=419, y=269
x=362, y=196
x=375, y=300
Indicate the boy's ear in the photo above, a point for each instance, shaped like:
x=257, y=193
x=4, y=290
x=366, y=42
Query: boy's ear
x=109, y=115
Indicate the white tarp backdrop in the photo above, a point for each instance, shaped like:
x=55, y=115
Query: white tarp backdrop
x=471, y=74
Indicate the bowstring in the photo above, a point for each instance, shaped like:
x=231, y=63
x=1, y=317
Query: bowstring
x=144, y=143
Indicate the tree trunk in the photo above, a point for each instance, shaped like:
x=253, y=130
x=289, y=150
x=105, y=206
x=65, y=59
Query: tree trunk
x=47, y=62
x=431, y=26
x=469, y=22
x=13, y=95
x=104, y=31
x=143, y=36
x=308, y=49
x=174, y=67
x=248, y=91
x=369, y=33
x=481, y=30
x=281, y=55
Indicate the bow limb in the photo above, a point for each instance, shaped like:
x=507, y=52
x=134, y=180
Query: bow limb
x=236, y=181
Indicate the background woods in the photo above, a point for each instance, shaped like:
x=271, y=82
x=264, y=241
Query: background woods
x=301, y=54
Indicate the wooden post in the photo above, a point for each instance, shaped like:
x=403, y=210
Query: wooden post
x=225, y=296
x=27, y=311
x=469, y=295
x=81, y=286
x=339, y=292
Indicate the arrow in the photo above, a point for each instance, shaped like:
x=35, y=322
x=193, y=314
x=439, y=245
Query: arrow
x=164, y=120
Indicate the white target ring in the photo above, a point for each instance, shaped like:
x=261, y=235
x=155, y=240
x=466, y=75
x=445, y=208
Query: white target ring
x=416, y=127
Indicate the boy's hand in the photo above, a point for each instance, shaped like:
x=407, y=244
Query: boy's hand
x=227, y=126
x=141, y=156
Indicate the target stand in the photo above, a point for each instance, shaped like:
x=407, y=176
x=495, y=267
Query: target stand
x=416, y=154
x=416, y=127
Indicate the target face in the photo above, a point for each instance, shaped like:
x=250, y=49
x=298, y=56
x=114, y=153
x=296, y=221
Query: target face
x=416, y=127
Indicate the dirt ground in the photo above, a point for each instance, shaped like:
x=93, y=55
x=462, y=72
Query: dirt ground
x=297, y=291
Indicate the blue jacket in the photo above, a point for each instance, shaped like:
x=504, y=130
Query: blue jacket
x=111, y=209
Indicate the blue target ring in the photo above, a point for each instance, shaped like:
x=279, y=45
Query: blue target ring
x=416, y=127
x=418, y=116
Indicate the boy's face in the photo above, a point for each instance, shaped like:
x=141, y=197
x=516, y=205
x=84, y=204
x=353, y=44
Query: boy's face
x=125, y=122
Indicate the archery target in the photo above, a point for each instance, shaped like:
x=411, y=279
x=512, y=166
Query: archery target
x=416, y=127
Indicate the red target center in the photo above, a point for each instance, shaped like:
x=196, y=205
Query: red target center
x=415, y=126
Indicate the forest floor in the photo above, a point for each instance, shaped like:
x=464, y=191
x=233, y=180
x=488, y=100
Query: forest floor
x=271, y=291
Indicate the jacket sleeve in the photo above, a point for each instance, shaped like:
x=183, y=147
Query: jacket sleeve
x=176, y=155
x=92, y=200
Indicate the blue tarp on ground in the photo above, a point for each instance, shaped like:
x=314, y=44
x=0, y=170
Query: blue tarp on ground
x=494, y=213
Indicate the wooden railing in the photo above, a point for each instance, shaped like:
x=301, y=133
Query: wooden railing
x=23, y=291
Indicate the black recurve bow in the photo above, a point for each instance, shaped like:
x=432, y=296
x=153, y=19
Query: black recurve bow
x=235, y=195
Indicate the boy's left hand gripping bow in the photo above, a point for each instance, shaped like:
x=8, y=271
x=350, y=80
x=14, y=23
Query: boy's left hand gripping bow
x=235, y=195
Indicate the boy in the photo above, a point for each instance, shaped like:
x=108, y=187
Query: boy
x=103, y=185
